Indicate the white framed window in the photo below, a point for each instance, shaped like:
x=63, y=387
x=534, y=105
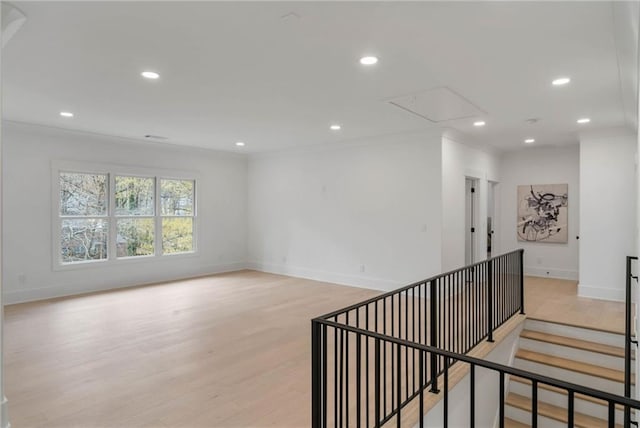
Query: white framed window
x=112, y=214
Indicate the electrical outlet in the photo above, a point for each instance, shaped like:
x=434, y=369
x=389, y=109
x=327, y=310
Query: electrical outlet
x=362, y=268
x=22, y=279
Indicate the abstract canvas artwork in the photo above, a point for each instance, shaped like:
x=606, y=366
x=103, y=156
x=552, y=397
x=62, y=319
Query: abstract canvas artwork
x=543, y=213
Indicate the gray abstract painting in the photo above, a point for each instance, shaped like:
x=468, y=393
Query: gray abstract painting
x=543, y=213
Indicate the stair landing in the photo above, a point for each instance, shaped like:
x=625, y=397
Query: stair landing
x=557, y=300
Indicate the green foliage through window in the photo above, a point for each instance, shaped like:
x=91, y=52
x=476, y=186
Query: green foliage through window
x=177, y=235
x=135, y=237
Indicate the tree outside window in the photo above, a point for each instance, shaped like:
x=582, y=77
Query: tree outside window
x=141, y=206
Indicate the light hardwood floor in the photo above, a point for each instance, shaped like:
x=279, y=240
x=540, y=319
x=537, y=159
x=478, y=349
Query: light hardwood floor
x=557, y=300
x=229, y=350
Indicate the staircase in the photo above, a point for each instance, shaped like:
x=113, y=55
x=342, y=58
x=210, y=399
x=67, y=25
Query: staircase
x=586, y=357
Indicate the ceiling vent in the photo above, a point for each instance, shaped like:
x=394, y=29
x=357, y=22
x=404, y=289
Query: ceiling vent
x=438, y=105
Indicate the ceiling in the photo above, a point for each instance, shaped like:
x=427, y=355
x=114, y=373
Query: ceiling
x=275, y=75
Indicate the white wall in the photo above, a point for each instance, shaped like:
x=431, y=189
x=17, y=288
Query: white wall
x=458, y=162
x=608, y=223
x=28, y=152
x=361, y=214
x=625, y=32
x=4, y=414
x=542, y=165
x=635, y=18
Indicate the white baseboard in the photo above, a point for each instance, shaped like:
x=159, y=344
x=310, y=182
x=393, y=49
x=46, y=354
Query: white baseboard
x=613, y=294
x=333, y=277
x=41, y=293
x=546, y=272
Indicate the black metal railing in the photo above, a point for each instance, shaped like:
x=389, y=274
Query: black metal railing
x=628, y=336
x=450, y=312
x=367, y=407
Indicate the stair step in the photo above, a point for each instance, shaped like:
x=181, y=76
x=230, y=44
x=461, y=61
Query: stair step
x=578, y=326
x=581, y=333
x=564, y=392
x=572, y=365
x=585, y=345
x=510, y=423
x=554, y=412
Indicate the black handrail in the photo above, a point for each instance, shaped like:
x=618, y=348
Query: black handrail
x=453, y=311
x=628, y=341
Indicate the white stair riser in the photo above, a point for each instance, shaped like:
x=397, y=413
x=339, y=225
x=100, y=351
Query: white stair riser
x=573, y=354
x=603, y=337
x=525, y=417
x=596, y=410
x=571, y=376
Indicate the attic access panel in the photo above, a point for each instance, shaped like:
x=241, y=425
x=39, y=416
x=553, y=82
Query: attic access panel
x=438, y=105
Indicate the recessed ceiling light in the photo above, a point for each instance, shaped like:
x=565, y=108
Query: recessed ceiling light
x=479, y=123
x=530, y=140
x=368, y=60
x=560, y=81
x=335, y=127
x=584, y=120
x=66, y=114
x=150, y=75
x=240, y=144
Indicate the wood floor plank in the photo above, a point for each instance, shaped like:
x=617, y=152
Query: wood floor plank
x=510, y=423
x=563, y=391
x=576, y=366
x=555, y=412
x=573, y=343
